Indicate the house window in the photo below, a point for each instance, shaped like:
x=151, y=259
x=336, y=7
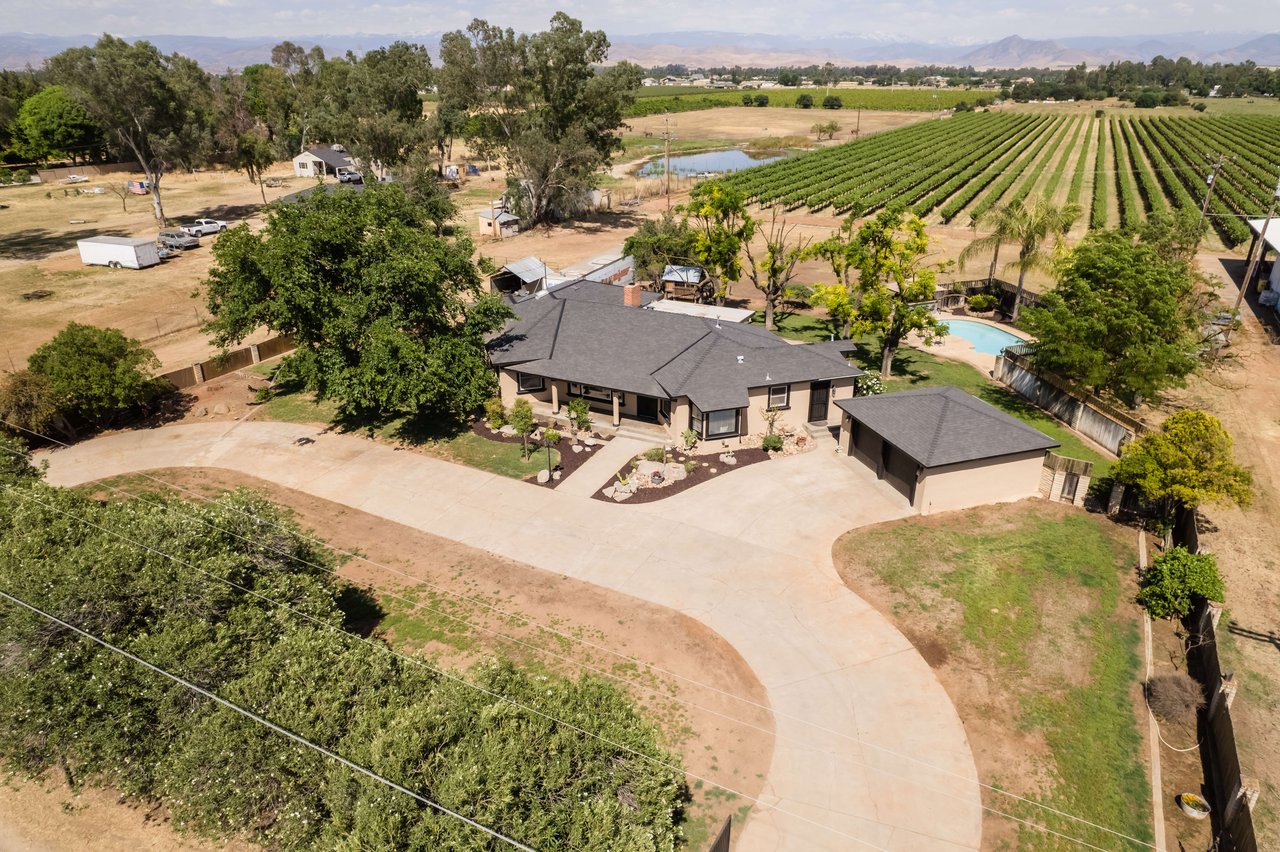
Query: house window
x=720, y=424
x=589, y=392
x=780, y=396
x=529, y=384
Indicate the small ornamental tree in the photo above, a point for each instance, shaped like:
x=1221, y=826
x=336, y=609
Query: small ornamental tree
x=721, y=224
x=97, y=374
x=1177, y=581
x=521, y=419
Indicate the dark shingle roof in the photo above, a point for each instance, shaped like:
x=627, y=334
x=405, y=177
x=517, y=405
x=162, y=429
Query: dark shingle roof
x=333, y=159
x=582, y=332
x=941, y=426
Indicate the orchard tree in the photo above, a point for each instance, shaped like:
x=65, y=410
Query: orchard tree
x=774, y=271
x=894, y=285
x=1187, y=463
x=388, y=317
x=52, y=124
x=541, y=103
x=1125, y=318
x=97, y=374
x=152, y=107
x=722, y=226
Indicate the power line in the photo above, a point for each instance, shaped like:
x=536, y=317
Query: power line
x=249, y=714
x=606, y=674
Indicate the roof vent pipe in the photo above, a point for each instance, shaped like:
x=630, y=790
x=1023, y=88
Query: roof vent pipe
x=739, y=359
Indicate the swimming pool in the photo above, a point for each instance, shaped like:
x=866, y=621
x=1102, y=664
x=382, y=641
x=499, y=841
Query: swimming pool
x=987, y=339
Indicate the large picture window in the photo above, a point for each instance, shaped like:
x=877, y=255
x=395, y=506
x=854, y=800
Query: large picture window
x=780, y=396
x=589, y=392
x=720, y=424
x=529, y=384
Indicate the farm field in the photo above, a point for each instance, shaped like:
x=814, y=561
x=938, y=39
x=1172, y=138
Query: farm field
x=659, y=99
x=1119, y=169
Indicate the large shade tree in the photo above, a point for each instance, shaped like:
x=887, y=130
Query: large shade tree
x=388, y=317
x=541, y=103
x=153, y=108
x=721, y=226
x=54, y=124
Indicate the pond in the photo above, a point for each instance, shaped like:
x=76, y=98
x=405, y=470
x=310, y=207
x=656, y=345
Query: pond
x=710, y=163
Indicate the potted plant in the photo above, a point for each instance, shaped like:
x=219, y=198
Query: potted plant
x=1193, y=806
x=982, y=304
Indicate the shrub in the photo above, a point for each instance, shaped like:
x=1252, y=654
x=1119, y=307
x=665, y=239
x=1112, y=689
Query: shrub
x=690, y=466
x=1097, y=113
x=15, y=460
x=1175, y=697
x=982, y=302
x=1147, y=100
x=868, y=385
x=495, y=412
x=690, y=439
x=832, y=102
x=580, y=414
x=1198, y=106
x=551, y=436
x=655, y=454
x=804, y=101
x=1177, y=580
x=761, y=100
x=97, y=374
x=771, y=443
x=746, y=100
x=28, y=403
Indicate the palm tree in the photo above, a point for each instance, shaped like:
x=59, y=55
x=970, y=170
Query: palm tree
x=1029, y=227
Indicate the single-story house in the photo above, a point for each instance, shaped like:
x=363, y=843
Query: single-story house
x=523, y=276
x=498, y=223
x=681, y=281
x=321, y=160
x=944, y=449
x=595, y=342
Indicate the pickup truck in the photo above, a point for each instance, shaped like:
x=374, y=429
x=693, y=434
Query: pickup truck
x=204, y=227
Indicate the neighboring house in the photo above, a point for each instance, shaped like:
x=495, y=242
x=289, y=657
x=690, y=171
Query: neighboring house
x=523, y=276
x=322, y=160
x=715, y=312
x=611, y=267
x=944, y=449
x=498, y=223
x=593, y=341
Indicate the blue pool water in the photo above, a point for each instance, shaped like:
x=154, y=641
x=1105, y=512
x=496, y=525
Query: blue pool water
x=985, y=338
x=712, y=162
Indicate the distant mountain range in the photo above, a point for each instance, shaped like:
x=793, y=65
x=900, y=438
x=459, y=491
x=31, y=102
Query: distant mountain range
x=703, y=48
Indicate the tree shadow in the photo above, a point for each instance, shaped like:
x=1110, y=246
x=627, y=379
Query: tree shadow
x=233, y=213
x=39, y=243
x=1269, y=638
x=1009, y=402
x=597, y=223
x=167, y=408
x=361, y=611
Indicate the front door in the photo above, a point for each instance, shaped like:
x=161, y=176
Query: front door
x=819, y=401
x=647, y=408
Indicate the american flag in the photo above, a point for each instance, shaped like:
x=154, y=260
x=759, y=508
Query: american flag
x=138, y=187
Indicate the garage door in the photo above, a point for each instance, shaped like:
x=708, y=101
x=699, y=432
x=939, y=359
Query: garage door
x=900, y=472
x=866, y=446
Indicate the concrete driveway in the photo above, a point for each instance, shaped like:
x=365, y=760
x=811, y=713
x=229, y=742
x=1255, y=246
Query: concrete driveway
x=869, y=750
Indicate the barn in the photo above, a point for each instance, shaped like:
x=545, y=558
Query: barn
x=944, y=449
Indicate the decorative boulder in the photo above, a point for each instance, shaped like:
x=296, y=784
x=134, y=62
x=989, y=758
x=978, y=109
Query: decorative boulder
x=674, y=472
x=589, y=441
x=555, y=475
x=577, y=448
x=608, y=492
x=544, y=476
x=202, y=412
x=221, y=408
x=619, y=496
x=648, y=468
x=508, y=431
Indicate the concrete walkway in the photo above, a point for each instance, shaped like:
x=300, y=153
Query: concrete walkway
x=869, y=753
x=606, y=460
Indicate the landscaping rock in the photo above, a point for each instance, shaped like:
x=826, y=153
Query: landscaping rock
x=508, y=430
x=727, y=458
x=648, y=468
x=674, y=472
x=202, y=412
x=555, y=475
x=619, y=496
x=608, y=492
x=589, y=441
x=221, y=408
x=713, y=470
x=577, y=448
x=625, y=487
x=544, y=476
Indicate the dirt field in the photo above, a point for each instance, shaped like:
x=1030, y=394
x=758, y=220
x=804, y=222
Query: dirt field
x=427, y=585
x=742, y=124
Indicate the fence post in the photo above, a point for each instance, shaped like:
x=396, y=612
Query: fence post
x=198, y=370
x=253, y=352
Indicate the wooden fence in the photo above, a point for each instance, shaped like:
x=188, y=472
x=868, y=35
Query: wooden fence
x=228, y=362
x=1086, y=414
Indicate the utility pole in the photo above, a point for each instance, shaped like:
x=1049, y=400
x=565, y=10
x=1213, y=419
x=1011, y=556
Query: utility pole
x=1208, y=193
x=1261, y=244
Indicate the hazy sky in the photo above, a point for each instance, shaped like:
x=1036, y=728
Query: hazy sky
x=933, y=20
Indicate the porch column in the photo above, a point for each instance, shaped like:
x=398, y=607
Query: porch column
x=617, y=415
x=555, y=398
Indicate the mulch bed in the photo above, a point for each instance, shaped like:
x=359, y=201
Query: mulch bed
x=569, y=460
x=699, y=475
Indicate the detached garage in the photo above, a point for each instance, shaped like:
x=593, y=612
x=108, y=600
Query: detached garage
x=944, y=449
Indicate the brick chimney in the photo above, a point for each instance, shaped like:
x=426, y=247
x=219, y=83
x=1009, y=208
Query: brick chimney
x=631, y=296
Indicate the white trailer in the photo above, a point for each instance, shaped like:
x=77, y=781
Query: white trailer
x=118, y=252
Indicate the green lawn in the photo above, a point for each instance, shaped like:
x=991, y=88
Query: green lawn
x=1028, y=599
x=915, y=368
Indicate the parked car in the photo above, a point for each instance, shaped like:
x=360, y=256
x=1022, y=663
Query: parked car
x=176, y=238
x=350, y=177
x=204, y=227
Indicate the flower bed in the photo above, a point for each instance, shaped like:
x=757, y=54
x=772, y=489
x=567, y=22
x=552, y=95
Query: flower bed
x=696, y=470
x=569, y=460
